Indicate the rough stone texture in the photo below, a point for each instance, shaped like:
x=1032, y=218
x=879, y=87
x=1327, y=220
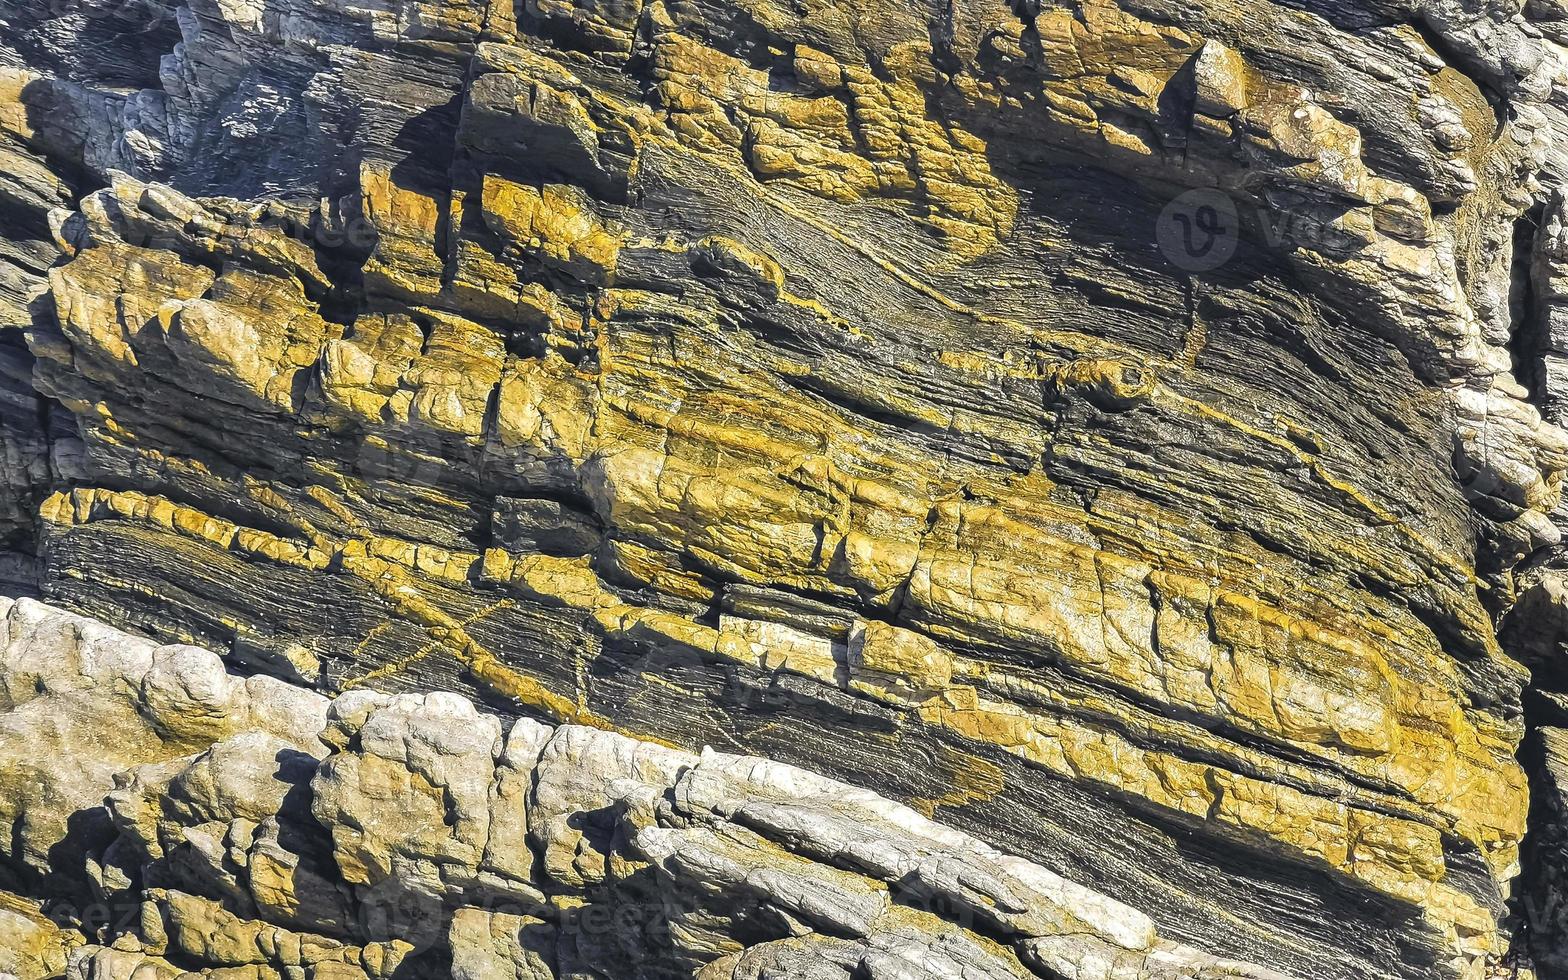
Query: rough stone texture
x=273, y=834
x=822, y=382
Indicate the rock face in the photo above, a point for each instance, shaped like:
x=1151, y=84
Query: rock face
x=1090, y=469
x=255, y=829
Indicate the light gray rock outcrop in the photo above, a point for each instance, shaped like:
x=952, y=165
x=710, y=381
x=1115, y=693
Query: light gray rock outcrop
x=233, y=824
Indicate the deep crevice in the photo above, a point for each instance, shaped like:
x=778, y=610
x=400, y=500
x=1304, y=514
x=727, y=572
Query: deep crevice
x=1538, y=911
x=1528, y=324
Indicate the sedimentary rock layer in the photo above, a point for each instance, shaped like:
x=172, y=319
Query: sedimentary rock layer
x=257, y=829
x=851, y=387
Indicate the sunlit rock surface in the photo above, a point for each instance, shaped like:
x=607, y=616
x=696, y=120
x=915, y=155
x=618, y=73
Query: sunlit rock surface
x=244, y=823
x=1100, y=462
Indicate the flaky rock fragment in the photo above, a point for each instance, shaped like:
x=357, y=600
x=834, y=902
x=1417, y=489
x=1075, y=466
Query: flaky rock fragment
x=501, y=946
x=32, y=945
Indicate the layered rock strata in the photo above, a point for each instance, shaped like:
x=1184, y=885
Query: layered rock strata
x=244, y=827
x=850, y=387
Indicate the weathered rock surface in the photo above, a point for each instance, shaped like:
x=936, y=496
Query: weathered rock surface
x=263, y=832
x=1121, y=436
